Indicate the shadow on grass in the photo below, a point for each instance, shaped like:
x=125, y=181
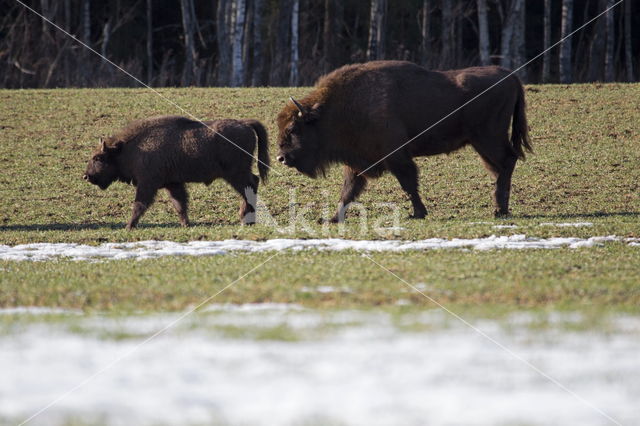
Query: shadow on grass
x=100, y=226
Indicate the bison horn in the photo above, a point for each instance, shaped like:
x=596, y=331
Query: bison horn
x=300, y=107
x=103, y=145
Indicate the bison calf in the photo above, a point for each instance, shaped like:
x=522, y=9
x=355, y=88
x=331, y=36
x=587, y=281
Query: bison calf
x=169, y=151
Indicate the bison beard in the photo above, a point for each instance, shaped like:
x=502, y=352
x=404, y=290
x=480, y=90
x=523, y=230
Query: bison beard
x=361, y=113
x=169, y=151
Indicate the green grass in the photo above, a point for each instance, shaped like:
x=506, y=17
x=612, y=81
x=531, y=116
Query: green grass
x=496, y=281
x=585, y=168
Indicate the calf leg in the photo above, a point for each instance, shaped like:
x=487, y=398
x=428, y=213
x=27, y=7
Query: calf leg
x=351, y=188
x=179, y=199
x=405, y=170
x=500, y=160
x=144, y=198
x=248, y=190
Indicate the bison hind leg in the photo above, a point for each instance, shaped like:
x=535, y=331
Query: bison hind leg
x=406, y=171
x=247, y=187
x=500, y=160
x=179, y=199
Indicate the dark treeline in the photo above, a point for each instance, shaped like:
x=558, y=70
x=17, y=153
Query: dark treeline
x=292, y=42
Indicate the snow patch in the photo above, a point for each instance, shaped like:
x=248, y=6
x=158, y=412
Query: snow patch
x=154, y=249
x=37, y=310
x=568, y=224
x=373, y=368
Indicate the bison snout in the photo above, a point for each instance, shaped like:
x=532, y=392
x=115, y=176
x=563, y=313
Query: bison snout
x=286, y=159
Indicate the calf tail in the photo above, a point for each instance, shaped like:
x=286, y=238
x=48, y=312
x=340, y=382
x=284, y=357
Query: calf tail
x=520, y=129
x=263, y=148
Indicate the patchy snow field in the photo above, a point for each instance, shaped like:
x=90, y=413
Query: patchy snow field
x=155, y=249
x=278, y=364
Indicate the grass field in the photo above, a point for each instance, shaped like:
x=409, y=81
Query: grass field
x=585, y=172
x=585, y=169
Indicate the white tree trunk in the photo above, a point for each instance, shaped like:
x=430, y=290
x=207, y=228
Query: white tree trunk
x=425, y=30
x=237, y=64
x=609, y=74
x=483, y=33
x=565, y=47
x=375, y=45
x=295, y=13
x=189, y=43
x=86, y=21
x=519, y=47
x=506, y=51
x=546, y=57
x=628, y=57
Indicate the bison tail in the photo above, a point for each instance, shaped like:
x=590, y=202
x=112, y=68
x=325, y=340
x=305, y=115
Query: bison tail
x=520, y=129
x=263, y=148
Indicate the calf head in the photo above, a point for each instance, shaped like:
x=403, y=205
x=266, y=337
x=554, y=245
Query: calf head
x=102, y=168
x=299, y=140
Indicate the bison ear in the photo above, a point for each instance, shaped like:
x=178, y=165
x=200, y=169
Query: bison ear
x=313, y=114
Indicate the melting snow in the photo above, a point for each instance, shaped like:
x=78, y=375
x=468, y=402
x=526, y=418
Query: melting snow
x=347, y=367
x=154, y=249
x=568, y=224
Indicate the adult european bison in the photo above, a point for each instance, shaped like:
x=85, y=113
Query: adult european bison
x=359, y=114
x=168, y=151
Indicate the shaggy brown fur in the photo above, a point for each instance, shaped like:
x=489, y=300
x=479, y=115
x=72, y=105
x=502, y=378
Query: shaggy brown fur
x=169, y=151
x=360, y=113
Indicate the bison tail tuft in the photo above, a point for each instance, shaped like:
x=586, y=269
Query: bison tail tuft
x=520, y=129
x=263, y=148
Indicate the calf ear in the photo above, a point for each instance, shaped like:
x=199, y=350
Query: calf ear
x=116, y=147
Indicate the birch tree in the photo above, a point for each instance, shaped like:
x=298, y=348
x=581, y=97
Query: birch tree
x=237, y=64
x=483, y=33
x=506, y=42
x=546, y=42
x=446, y=35
x=188, y=27
x=425, y=33
x=610, y=45
x=565, y=48
x=295, y=14
x=375, y=45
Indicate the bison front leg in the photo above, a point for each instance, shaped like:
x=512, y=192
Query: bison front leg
x=351, y=188
x=406, y=172
x=179, y=199
x=144, y=198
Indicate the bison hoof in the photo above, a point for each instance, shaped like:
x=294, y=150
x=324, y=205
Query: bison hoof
x=419, y=215
x=323, y=221
x=501, y=214
x=130, y=227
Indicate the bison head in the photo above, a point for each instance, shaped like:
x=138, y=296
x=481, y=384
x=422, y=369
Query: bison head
x=102, y=169
x=299, y=140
